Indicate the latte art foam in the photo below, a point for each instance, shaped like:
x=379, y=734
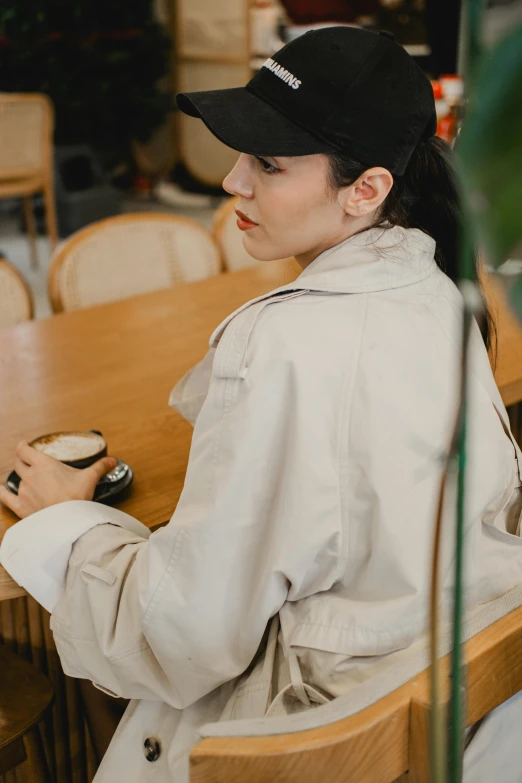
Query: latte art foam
x=70, y=446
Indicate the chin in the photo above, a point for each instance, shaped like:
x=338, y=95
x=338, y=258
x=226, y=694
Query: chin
x=260, y=252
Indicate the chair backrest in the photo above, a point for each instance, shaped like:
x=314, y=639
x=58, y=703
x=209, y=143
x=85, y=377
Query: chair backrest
x=16, y=302
x=26, y=134
x=127, y=255
x=212, y=52
x=230, y=239
x=385, y=742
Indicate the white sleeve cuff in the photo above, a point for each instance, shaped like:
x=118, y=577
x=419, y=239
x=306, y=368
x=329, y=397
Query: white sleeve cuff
x=36, y=550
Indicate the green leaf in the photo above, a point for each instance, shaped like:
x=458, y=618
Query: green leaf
x=489, y=150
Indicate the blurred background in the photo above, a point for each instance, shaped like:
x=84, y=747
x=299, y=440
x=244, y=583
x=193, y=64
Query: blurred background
x=109, y=140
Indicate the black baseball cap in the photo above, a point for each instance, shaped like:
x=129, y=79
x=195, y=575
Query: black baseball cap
x=337, y=89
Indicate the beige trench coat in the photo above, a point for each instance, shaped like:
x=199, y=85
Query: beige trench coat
x=298, y=556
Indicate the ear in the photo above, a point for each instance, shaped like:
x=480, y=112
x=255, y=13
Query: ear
x=367, y=193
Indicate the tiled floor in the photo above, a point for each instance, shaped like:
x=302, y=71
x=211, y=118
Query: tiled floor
x=14, y=245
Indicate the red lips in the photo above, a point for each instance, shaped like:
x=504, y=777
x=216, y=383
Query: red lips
x=243, y=222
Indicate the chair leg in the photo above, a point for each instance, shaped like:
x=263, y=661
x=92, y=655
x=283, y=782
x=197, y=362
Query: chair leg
x=31, y=229
x=50, y=214
x=37, y=768
x=10, y=757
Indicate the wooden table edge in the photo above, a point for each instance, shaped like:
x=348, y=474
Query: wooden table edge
x=8, y=587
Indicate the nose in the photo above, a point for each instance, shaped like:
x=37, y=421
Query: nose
x=239, y=181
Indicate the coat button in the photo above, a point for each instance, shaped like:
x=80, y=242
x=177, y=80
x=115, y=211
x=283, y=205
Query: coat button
x=151, y=749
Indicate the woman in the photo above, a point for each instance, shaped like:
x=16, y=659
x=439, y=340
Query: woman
x=299, y=552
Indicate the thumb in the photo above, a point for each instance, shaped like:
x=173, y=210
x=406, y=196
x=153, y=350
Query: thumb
x=103, y=466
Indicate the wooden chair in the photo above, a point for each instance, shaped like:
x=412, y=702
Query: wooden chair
x=26, y=158
x=385, y=742
x=128, y=255
x=211, y=51
x=16, y=302
x=230, y=239
x=25, y=695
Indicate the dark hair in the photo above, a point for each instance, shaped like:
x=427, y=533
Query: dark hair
x=425, y=197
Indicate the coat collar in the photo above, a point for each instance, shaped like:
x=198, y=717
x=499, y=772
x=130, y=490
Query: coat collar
x=379, y=259
x=376, y=260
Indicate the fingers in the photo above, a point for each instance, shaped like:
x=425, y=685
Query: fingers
x=26, y=453
x=21, y=468
x=12, y=501
x=103, y=466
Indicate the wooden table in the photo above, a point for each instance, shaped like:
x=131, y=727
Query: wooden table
x=508, y=370
x=112, y=367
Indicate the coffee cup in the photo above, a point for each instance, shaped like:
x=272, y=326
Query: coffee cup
x=76, y=449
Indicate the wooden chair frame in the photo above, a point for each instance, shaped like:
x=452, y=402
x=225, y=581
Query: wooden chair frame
x=384, y=743
x=13, y=271
x=181, y=56
x=233, y=58
x=84, y=235
x=25, y=183
x=20, y=738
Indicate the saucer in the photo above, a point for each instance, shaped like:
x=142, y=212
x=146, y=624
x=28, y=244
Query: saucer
x=110, y=488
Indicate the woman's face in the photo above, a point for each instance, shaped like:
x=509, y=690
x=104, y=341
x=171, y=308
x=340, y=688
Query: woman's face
x=290, y=208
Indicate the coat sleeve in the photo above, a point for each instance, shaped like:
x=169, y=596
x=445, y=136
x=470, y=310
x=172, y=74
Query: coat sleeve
x=257, y=524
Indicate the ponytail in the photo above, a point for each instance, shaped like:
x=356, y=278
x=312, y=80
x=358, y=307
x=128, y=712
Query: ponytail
x=425, y=197
x=429, y=191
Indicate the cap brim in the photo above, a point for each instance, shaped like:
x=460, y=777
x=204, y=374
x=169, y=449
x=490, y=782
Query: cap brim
x=245, y=122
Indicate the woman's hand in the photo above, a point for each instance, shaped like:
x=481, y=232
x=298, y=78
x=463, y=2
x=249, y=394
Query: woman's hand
x=45, y=481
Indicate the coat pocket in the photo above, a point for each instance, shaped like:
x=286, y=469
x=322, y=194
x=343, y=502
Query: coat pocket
x=99, y=573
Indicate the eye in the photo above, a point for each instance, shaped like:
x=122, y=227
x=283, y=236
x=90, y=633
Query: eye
x=266, y=166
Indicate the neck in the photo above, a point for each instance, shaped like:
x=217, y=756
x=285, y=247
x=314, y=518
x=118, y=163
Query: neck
x=356, y=225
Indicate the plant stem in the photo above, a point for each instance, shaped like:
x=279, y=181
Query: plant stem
x=438, y=766
x=469, y=290
x=457, y=717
